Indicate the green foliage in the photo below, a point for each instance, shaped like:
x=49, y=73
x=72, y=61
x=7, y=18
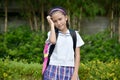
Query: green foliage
x=100, y=47
x=12, y=70
x=22, y=43
x=93, y=70
x=98, y=70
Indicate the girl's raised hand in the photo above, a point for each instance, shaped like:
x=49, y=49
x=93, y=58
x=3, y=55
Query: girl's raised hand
x=50, y=21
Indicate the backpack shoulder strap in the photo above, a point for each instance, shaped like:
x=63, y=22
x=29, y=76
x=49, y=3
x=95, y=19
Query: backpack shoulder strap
x=73, y=34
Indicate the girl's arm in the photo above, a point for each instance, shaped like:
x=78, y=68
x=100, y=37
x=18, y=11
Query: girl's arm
x=52, y=32
x=77, y=63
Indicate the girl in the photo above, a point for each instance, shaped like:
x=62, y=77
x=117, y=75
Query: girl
x=63, y=64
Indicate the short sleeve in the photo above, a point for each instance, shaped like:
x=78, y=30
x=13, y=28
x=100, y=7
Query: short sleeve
x=80, y=42
x=48, y=37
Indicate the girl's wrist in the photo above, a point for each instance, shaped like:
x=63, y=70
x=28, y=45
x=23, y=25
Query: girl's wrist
x=51, y=24
x=76, y=72
x=52, y=28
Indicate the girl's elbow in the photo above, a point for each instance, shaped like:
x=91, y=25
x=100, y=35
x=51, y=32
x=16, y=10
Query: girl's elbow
x=53, y=41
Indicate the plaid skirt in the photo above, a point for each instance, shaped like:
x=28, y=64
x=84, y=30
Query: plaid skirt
x=58, y=73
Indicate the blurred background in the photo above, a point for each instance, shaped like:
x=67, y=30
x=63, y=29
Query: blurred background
x=87, y=16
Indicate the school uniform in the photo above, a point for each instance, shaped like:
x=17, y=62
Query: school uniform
x=61, y=65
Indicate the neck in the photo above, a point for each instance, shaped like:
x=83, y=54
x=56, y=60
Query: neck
x=64, y=30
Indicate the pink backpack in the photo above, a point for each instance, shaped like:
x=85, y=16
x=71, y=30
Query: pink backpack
x=45, y=52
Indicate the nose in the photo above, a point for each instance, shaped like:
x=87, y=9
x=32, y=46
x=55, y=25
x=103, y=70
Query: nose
x=58, y=22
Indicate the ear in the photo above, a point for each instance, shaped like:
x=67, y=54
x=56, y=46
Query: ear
x=66, y=17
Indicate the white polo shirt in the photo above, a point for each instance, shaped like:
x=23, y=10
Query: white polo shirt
x=63, y=54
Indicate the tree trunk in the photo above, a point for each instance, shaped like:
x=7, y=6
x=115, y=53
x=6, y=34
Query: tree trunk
x=111, y=24
x=34, y=17
x=79, y=20
x=42, y=17
x=30, y=23
x=119, y=30
x=35, y=22
x=6, y=16
x=26, y=6
x=69, y=19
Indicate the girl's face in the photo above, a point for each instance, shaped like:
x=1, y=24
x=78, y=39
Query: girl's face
x=59, y=20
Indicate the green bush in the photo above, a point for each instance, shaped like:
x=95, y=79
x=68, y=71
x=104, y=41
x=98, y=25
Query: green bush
x=98, y=70
x=93, y=70
x=100, y=46
x=21, y=43
x=13, y=70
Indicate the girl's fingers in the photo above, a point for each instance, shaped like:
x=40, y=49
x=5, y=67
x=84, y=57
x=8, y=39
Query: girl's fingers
x=48, y=17
x=50, y=20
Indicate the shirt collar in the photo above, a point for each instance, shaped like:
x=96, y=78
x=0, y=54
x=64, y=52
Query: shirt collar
x=67, y=32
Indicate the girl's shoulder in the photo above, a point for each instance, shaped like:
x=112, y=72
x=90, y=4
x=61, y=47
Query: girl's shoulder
x=77, y=32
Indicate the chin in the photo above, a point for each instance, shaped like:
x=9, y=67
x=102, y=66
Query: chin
x=61, y=29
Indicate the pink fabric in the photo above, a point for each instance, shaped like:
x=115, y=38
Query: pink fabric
x=45, y=52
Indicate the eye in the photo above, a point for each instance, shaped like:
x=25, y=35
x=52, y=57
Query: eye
x=54, y=21
x=60, y=18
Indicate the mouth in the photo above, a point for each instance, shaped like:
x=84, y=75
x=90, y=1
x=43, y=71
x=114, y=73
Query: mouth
x=60, y=26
